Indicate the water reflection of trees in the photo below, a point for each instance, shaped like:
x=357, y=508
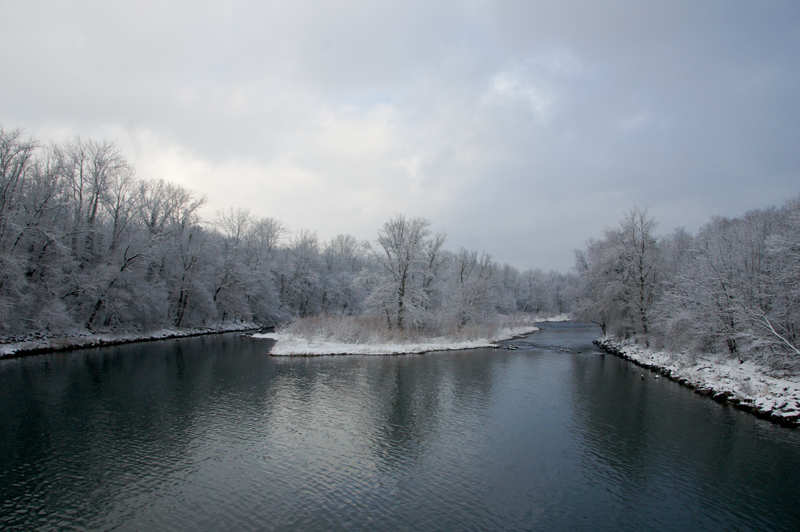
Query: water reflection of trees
x=649, y=441
x=413, y=399
x=85, y=428
x=394, y=406
x=406, y=401
x=125, y=427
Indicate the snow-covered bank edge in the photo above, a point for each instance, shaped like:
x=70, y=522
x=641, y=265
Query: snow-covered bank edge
x=293, y=345
x=745, y=386
x=46, y=344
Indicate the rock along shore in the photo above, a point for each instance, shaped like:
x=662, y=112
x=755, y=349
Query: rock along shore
x=744, y=386
x=38, y=343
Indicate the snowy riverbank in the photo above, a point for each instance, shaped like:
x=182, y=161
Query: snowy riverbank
x=289, y=344
x=292, y=345
x=746, y=386
x=42, y=343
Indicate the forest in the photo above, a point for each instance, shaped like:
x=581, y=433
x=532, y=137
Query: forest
x=733, y=288
x=85, y=245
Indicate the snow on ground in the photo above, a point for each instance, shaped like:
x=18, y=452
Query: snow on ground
x=560, y=317
x=40, y=343
x=747, y=385
x=290, y=344
x=35, y=343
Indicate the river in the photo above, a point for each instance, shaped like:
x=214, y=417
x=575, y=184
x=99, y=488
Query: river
x=211, y=433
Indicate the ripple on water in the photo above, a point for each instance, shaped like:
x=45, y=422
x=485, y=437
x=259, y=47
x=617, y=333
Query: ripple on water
x=214, y=435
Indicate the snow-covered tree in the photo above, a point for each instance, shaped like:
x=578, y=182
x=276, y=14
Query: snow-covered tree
x=730, y=289
x=637, y=254
x=342, y=290
x=596, y=294
x=404, y=253
x=473, y=289
x=299, y=271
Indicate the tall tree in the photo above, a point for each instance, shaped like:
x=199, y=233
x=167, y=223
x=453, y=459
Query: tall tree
x=473, y=294
x=403, y=253
x=638, y=256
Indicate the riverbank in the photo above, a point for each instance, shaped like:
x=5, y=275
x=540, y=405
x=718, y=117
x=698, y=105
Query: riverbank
x=39, y=343
x=746, y=386
x=291, y=344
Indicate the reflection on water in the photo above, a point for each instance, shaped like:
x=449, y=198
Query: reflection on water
x=655, y=445
x=211, y=433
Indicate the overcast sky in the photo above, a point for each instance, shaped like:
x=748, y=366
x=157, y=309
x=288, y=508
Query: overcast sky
x=520, y=128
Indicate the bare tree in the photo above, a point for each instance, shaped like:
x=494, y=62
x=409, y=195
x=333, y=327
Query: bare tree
x=596, y=293
x=473, y=291
x=783, y=249
x=16, y=160
x=344, y=260
x=403, y=253
x=638, y=255
x=89, y=167
x=299, y=274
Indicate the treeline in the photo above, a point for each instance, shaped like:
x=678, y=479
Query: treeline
x=86, y=245
x=732, y=288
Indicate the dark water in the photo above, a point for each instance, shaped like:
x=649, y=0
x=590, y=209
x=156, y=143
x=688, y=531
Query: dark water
x=212, y=434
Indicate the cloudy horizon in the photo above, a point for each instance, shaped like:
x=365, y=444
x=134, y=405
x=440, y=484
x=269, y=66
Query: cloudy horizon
x=519, y=128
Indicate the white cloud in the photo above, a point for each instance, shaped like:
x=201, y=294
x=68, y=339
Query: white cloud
x=509, y=86
x=496, y=120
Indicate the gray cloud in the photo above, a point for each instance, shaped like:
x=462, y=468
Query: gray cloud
x=518, y=127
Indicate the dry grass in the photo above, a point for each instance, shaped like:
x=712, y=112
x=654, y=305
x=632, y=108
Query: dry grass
x=373, y=330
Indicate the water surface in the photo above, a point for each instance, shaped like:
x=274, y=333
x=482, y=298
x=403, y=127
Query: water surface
x=211, y=433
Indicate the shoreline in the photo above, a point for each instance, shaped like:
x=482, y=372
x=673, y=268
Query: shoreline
x=745, y=386
x=288, y=344
x=44, y=345
x=41, y=344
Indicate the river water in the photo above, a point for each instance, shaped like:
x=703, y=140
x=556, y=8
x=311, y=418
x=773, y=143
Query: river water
x=211, y=433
